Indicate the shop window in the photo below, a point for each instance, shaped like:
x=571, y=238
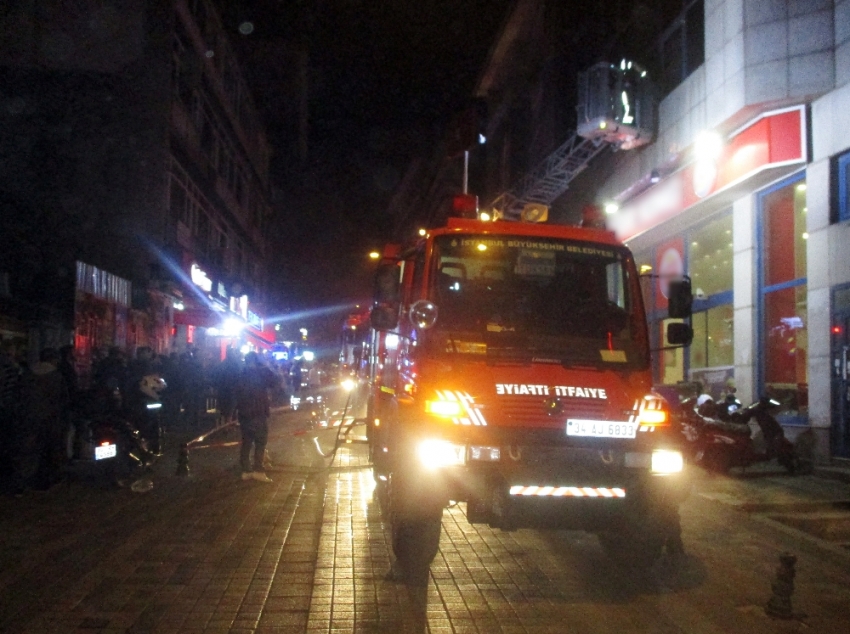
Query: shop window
x=712, y=345
x=783, y=354
x=785, y=337
x=710, y=258
x=843, y=165
x=705, y=254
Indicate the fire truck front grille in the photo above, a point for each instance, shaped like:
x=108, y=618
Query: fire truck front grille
x=530, y=410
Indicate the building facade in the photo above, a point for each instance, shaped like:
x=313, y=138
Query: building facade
x=744, y=187
x=132, y=151
x=745, y=190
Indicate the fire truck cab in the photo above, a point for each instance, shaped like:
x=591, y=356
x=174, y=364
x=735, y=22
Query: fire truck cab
x=509, y=368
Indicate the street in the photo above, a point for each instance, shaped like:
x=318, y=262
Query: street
x=310, y=553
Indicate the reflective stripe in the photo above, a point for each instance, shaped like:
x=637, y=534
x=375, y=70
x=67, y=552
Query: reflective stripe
x=578, y=492
x=473, y=416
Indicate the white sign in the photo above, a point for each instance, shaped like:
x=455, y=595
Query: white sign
x=199, y=278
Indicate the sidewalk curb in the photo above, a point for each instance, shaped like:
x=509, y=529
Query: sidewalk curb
x=838, y=474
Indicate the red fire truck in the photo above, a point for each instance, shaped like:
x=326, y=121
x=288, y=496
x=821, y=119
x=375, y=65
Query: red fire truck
x=509, y=368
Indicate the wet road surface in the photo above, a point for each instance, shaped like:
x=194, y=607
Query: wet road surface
x=310, y=553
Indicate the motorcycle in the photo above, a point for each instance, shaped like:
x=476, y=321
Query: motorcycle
x=718, y=444
x=102, y=438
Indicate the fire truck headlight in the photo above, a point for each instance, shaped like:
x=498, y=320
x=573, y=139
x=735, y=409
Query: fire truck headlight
x=434, y=454
x=444, y=409
x=667, y=461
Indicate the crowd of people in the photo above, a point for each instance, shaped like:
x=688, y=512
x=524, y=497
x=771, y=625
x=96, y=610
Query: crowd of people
x=40, y=402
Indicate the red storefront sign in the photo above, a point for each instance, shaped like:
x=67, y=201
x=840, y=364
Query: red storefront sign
x=774, y=139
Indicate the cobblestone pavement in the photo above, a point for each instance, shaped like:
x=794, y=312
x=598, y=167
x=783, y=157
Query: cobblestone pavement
x=535, y=581
x=310, y=553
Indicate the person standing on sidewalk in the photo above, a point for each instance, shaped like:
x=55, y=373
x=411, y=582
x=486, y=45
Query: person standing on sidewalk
x=252, y=407
x=44, y=400
x=225, y=378
x=10, y=374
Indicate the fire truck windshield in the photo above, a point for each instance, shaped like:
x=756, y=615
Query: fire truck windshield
x=542, y=299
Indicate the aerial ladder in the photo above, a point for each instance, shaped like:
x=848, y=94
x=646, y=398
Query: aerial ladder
x=616, y=109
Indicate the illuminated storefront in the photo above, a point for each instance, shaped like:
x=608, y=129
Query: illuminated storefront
x=733, y=219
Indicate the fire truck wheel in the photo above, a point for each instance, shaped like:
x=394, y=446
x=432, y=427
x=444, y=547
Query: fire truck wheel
x=415, y=544
x=415, y=528
x=635, y=545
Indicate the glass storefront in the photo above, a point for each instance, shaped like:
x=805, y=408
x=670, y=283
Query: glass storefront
x=712, y=346
x=783, y=366
x=710, y=258
x=706, y=251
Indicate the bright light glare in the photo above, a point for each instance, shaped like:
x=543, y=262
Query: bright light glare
x=666, y=461
x=374, y=255
x=708, y=145
x=481, y=247
x=484, y=216
x=446, y=409
x=308, y=355
x=348, y=384
x=611, y=208
x=434, y=454
x=232, y=327
x=422, y=232
x=245, y=349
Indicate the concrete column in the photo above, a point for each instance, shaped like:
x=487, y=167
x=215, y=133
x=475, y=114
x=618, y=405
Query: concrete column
x=818, y=304
x=744, y=285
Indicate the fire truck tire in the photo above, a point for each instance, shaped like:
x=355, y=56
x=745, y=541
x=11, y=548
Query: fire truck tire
x=637, y=544
x=415, y=529
x=415, y=544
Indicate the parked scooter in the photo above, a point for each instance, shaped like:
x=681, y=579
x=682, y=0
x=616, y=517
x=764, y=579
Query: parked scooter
x=103, y=438
x=719, y=445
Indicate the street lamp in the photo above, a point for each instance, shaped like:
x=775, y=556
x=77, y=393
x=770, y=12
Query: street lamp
x=374, y=255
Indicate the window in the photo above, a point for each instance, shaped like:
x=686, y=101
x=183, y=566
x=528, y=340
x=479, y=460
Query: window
x=682, y=46
x=705, y=251
x=783, y=371
x=712, y=345
x=843, y=207
x=710, y=258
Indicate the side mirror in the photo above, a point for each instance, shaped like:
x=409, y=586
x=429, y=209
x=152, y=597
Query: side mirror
x=679, y=334
x=384, y=316
x=680, y=300
x=387, y=284
x=423, y=314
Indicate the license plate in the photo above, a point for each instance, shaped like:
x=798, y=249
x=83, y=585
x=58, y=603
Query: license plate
x=601, y=428
x=102, y=452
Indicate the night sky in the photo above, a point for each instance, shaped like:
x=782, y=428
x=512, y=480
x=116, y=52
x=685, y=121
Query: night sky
x=383, y=79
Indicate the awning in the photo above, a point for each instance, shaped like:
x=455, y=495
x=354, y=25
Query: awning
x=199, y=317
